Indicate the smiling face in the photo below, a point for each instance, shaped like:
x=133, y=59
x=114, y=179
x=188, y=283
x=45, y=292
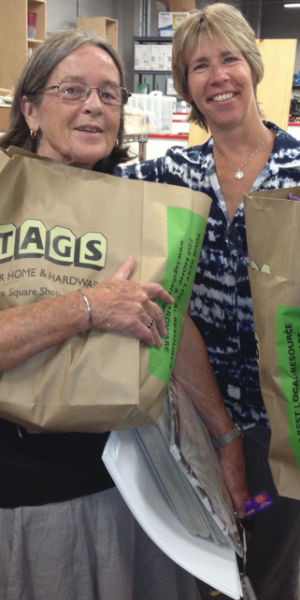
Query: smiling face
x=220, y=84
x=78, y=133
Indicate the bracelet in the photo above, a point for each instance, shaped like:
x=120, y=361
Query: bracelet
x=228, y=437
x=88, y=306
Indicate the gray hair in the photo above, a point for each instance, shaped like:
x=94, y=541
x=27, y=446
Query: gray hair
x=221, y=21
x=34, y=78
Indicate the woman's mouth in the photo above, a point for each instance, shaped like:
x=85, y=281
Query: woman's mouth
x=223, y=97
x=89, y=129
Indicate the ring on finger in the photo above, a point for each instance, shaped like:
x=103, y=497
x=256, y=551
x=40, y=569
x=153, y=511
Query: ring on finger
x=150, y=324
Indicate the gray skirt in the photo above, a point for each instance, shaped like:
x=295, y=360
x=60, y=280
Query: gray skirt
x=89, y=548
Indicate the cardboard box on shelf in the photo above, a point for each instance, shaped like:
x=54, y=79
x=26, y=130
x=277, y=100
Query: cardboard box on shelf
x=175, y=5
x=152, y=57
x=155, y=57
x=142, y=58
x=166, y=56
x=169, y=21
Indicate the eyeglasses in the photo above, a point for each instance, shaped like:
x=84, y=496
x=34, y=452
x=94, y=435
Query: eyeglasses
x=79, y=92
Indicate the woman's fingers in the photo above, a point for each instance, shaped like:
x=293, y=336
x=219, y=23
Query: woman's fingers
x=156, y=318
x=156, y=291
x=127, y=306
x=120, y=304
x=126, y=269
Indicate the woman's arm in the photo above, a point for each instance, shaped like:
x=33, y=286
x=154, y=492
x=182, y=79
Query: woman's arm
x=193, y=371
x=117, y=304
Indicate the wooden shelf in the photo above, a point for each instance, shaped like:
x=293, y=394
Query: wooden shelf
x=14, y=41
x=104, y=26
x=31, y=43
x=39, y=7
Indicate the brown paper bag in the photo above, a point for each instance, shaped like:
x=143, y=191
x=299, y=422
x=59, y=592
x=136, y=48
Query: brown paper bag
x=273, y=236
x=63, y=228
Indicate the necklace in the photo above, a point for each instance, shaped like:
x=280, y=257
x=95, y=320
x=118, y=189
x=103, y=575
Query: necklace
x=239, y=173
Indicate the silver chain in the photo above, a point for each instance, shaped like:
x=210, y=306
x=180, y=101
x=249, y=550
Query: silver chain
x=239, y=174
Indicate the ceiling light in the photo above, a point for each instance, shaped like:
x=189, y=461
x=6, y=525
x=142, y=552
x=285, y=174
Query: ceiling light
x=296, y=5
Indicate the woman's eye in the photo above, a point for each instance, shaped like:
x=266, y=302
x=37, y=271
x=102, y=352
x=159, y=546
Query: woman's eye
x=108, y=95
x=201, y=66
x=230, y=59
x=72, y=90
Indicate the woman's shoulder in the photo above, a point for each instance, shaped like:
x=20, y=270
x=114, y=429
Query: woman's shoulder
x=191, y=154
x=284, y=140
x=157, y=169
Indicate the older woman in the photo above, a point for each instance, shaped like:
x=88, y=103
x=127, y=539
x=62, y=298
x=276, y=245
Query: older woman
x=216, y=68
x=65, y=532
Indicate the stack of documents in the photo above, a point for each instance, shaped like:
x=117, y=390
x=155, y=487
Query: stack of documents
x=168, y=474
x=180, y=452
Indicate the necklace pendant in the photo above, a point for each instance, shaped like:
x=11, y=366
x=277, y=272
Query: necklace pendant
x=239, y=174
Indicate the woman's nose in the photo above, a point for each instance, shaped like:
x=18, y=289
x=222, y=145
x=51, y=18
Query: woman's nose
x=219, y=72
x=94, y=101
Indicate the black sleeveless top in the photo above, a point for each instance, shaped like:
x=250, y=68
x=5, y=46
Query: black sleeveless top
x=38, y=469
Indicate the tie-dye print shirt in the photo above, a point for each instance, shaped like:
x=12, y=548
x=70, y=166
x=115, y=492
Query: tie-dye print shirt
x=221, y=303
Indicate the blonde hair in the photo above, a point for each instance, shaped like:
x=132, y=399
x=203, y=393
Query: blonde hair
x=227, y=24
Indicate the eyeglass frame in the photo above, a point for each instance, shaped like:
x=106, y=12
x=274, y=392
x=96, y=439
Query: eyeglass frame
x=124, y=93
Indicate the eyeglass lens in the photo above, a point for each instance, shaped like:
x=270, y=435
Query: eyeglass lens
x=109, y=94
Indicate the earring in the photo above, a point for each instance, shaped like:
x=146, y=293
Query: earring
x=32, y=134
x=117, y=142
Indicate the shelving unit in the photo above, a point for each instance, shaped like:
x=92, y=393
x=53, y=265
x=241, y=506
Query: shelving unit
x=104, y=26
x=155, y=79
x=15, y=46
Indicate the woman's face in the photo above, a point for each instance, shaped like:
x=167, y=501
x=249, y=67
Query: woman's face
x=220, y=83
x=78, y=133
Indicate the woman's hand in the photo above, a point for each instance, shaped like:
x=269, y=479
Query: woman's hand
x=117, y=304
x=232, y=463
x=120, y=304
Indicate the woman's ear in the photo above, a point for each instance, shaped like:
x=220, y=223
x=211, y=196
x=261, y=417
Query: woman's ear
x=30, y=112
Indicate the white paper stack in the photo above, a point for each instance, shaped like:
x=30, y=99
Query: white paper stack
x=193, y=525
x=214, y=564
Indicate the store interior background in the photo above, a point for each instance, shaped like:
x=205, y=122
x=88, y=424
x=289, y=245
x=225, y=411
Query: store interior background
x=268, y=18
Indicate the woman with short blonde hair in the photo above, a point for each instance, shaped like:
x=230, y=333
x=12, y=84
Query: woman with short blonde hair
x=220, y=21
x=216, y=68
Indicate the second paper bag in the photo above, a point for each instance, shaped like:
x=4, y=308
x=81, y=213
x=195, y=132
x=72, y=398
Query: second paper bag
x=273, y=237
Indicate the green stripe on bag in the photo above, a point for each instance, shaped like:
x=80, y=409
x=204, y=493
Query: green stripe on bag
x=288, y=353
x=183, y=255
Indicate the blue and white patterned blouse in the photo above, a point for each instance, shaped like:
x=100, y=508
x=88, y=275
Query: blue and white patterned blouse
x=220, y=303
